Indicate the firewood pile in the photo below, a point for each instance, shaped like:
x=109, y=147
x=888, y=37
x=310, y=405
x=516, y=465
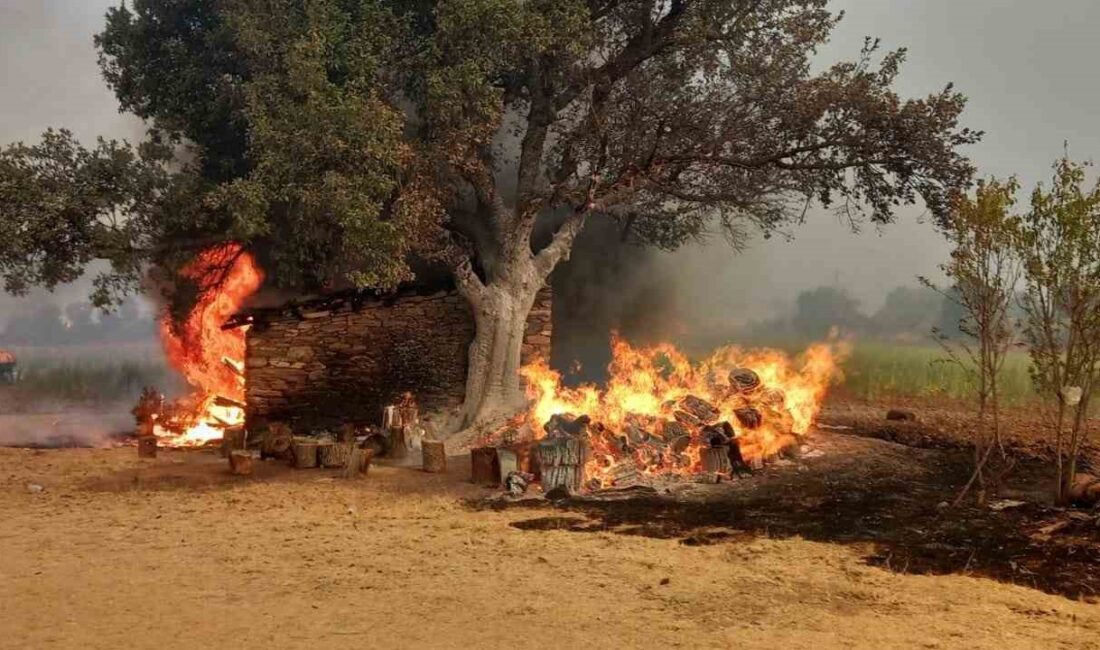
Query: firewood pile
x=696, y=442
x=352, y=447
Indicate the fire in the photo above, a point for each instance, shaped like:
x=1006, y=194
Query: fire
x=643, y=398
x=210, y=359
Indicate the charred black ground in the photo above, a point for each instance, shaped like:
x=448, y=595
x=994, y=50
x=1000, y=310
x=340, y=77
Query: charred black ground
x=882, y=497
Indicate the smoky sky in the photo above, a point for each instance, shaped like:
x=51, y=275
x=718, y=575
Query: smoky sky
x=1029, y=69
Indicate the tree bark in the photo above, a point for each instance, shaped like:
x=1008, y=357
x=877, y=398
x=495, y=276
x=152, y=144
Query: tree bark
x=493, y=390
x=501, y=304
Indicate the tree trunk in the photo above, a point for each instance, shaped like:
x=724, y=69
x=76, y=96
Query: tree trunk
x=493, y=390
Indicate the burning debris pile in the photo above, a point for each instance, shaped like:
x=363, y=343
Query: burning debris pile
x=209, y=357
x=663, y=418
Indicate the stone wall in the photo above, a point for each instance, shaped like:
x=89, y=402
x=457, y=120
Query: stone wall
x=327, y=362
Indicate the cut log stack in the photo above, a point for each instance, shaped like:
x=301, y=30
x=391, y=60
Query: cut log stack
x=717, y=460
x=562, y=461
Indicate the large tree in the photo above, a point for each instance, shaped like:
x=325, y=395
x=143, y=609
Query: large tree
x=484, y=133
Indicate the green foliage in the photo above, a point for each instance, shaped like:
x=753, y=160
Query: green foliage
x=1060, y=246
x=336, y=137
x=908, y=311
x=326, y=150
x=63, y=205
x=820, y=310
x=176, y=63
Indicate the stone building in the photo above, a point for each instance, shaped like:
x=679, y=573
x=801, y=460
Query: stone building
x=343, y=357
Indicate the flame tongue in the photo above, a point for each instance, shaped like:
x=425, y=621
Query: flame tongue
x=656, y=406
x=210, y=358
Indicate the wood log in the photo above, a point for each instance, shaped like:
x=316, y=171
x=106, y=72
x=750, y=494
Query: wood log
x=749, y=417
x=901, y=415
x=147, y=447
x=526, y=459
x=397, y=447
x=240, y=462
x=305, y=453
x=277, y=441
x=484, y=466
x=377, y=443
x=717, y=460
x=1085, y=490
x=346, y=432
x=744, y=380
x=434, y=455
x=332, y=454
x=700, y=409
x=561, y=461
x=358, y=463
x=233, y=438
x=507, y=462
x=623, y=473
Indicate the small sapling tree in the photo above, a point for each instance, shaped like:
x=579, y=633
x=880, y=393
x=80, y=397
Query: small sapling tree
x=983, y=269
x=1060, y=246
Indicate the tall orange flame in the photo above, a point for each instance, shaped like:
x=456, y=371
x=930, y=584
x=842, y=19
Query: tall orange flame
x=211, y=359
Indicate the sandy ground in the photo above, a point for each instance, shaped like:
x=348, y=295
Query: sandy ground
x=173, y=553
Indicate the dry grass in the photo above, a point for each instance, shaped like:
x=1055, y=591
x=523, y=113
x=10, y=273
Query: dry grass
x=172, y=553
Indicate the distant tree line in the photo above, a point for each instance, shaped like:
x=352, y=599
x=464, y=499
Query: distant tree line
x=909, y=314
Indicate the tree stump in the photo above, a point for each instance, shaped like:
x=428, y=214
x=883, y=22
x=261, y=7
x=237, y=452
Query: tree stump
x=346, y=433
x=435, y=456
x=358, y=463
x=147, y=447
x=717, y=460
x=240, y=462
x=561, y=462
x=332, y=454
x=398, y=448
x=305, y=453
x=485, y=468
x=233, y=438
x=277, y=442
x=507, y=462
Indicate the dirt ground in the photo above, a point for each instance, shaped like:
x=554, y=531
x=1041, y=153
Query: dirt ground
x=115, y=552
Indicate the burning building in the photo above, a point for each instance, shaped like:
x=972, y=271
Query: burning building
x=322, y=362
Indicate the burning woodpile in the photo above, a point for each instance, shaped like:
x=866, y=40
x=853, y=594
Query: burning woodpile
x=210, y=357
x=663, y=418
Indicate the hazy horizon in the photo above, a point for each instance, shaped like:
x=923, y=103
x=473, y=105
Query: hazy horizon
x=1026, y=68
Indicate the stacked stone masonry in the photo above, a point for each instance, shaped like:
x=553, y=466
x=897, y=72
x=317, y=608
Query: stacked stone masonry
x=344, y=361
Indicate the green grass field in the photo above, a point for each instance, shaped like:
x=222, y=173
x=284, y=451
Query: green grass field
x=876, y=370
x=92, y=374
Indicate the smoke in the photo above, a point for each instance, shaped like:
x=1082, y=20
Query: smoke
x=59, y=425
x=701, y=295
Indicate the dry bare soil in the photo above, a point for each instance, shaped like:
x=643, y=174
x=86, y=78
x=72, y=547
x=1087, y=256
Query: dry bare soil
x=115, y=552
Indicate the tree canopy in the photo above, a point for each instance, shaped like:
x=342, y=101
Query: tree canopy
x=342, y=139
